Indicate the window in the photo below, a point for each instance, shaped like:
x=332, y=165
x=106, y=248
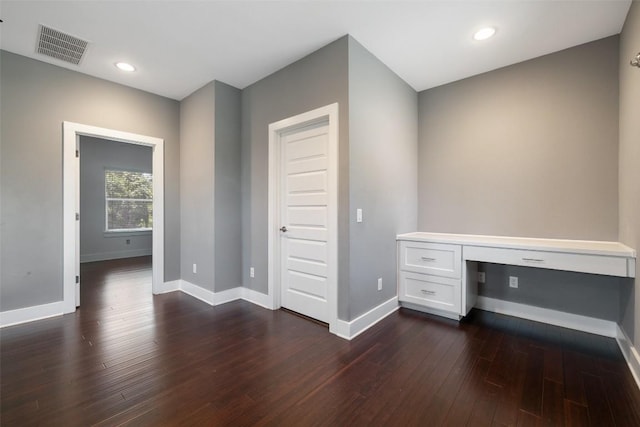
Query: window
x=128, y=200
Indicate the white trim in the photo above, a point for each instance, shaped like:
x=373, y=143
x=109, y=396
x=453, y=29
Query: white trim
x=329, y=112
x=171, y=286
x=39, y=312
x=105, y=256
x=430, y=310
x=227, y=295
x=350, y=330
x=630, y=354
x=126, y=233
x=197, y=292
x=70, y=178
x=112, y=199
x=30, y=314
x=257, y=298
x=222, y=297
x=577, y=322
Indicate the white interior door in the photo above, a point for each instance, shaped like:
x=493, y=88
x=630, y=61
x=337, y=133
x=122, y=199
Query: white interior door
x=304, y=217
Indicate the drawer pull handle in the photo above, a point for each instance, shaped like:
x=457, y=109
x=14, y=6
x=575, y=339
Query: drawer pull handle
x=533, y=259
x=424, y=258
x=424, y=291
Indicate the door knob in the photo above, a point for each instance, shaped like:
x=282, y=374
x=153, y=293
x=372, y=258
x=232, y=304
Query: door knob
x=283, y=229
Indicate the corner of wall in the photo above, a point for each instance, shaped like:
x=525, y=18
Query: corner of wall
x=383, y=142
x=628, y=160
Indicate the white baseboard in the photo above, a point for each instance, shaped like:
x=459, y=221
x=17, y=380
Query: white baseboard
x=350, y=330
x=165, y=287
x=257, y=298
x=198, y=292
x=343, y=329
x=577, y=322
x=106, y=256
x=228, y=295
x=630, y=354
x=29, y=314
x=428, y=310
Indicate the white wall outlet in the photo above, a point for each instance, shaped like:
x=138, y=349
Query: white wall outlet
x=482, y=278
x=252, y=272
x=513, y=282
x=195, y=269
x=358, y=215
x=379, y=283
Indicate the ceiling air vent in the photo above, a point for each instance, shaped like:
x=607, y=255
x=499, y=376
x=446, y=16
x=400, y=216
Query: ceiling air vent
x=61, y=46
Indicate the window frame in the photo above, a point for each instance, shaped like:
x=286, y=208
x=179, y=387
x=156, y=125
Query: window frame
x=123, y=231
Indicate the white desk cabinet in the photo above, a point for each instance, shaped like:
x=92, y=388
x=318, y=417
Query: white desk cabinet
x=438, y=272
x=430, y=275
x=431, y=258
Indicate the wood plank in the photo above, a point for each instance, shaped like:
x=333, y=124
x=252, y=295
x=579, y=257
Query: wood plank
x=531, y=400
x=575, y=415
x=597, y=402
x=553, y=366
x=128, y=357
x=553, y=403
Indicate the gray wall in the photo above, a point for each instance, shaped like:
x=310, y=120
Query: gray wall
x=377, y=164
x=528, y=150
x=97, y=155
x=228, y=232
x=630, y=163
x=589, y=295
x=197, y=150
x=383, y=135
x=210, y=187
x=312, y=82
x=36, y=99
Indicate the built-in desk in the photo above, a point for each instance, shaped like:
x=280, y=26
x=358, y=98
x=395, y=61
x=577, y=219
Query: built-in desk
x=438, y=272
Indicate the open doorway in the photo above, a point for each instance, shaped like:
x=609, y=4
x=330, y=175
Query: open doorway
x=116, y=200
x=72, y=135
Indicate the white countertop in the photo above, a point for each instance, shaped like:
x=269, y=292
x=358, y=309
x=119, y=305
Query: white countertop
x=615, y=249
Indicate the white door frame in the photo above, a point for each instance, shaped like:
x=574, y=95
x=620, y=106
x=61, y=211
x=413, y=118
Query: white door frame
x=71, y=133
x=330, y=113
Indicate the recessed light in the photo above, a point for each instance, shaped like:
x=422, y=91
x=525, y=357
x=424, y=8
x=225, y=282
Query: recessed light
x=484, y=33
x=125, y=67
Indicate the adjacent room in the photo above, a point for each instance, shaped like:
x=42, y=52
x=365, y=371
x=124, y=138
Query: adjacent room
x=319, y=213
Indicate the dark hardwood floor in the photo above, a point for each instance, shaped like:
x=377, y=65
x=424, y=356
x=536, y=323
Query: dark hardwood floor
x=127, y=357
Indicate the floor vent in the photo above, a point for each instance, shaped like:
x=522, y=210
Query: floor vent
x=61, y=46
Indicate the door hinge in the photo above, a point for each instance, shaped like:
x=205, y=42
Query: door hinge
x=77, y=216
x=77, y=153
x=77, y=279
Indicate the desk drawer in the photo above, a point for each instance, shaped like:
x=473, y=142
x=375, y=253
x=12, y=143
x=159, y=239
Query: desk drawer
x=431, y=258
x=583, y=263
x=430, y=291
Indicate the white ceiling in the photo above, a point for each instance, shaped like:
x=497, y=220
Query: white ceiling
x=178, y=46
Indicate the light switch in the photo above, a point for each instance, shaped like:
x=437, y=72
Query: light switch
x=358, y=215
